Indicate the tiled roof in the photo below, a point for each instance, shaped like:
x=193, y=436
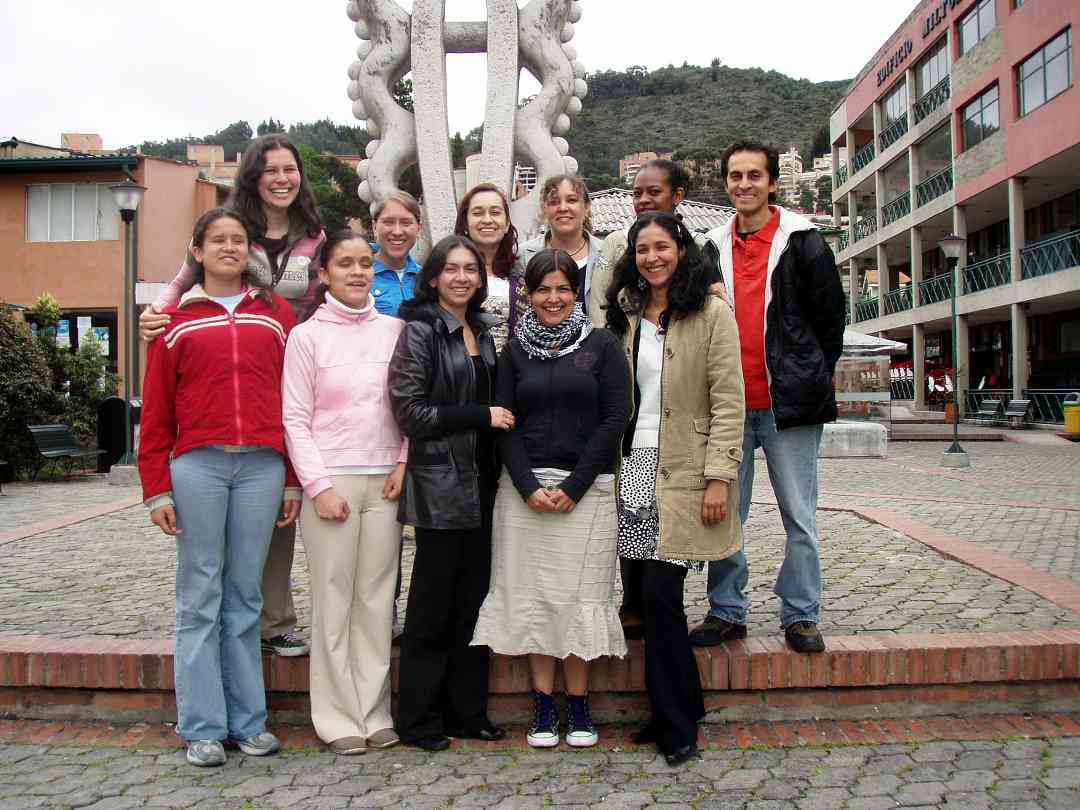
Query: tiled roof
x=613, y=209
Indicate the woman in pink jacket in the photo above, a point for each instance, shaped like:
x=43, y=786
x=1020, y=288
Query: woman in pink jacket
x=350, y=458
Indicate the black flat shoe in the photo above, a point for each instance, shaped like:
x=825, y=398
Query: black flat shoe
x=489, y=732
x=436, y=742
x=645, y=735
x=684, y=753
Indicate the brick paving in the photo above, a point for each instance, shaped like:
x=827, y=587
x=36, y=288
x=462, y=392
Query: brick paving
x=24, y=503
x=997, y=763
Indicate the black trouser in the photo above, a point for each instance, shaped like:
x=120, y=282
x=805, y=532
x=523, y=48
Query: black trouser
x=671, y=673
x=443, y=684
x=630, y=571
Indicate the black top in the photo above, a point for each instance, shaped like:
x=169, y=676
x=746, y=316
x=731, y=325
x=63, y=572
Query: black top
x=569, y=412
x=274, y=247
x=485, y=440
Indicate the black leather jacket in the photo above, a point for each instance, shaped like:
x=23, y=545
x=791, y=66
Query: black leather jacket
x=432, y=384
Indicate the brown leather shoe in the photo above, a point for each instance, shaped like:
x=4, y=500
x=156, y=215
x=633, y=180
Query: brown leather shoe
x=804, y=637
x=715, y=631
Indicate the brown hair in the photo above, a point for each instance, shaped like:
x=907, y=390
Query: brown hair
x=245, y=195
x=553, y=183
x=507, y=251
x=402, y=198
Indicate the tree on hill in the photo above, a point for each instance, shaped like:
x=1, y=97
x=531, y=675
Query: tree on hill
x=334, y=184
x=714, y=69
x=806, y=198
x=266, y=127
x=824, y=194
x=457, y=151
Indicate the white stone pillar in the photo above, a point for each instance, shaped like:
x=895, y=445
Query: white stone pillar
x=1017, y=235
x=916, y=240
x=909, y=77
x=884, y=282
x=1019, y=318
x=853, y=287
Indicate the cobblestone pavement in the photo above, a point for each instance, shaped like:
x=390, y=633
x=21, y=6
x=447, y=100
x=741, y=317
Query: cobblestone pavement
x=112, y=576
x=25, y=503
x=1004, y=774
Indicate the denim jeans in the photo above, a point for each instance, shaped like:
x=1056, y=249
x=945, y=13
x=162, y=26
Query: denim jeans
x=791, y=456
x=226, y=505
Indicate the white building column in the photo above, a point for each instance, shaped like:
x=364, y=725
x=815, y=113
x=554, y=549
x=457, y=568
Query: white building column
x=853, y=287
x=1019, y=319
x=884, y=282
x=916, y=248
x=918, y=358
x=1016, y=225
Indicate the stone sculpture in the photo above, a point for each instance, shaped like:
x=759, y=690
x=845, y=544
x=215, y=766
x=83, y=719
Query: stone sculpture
x=393, y=43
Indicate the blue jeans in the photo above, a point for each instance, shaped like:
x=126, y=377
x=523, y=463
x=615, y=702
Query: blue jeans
x=226, y=505
x=791, y=456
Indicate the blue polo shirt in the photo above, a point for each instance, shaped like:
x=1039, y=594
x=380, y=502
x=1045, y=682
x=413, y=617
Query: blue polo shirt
x=390, y=290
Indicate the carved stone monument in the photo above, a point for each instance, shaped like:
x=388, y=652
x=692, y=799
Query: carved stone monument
x=393, y=43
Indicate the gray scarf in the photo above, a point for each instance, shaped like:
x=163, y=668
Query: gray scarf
x=548, y=342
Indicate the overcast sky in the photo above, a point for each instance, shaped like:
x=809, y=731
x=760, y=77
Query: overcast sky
x=135, y=70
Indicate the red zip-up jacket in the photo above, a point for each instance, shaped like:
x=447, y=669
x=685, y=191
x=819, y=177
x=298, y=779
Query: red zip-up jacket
x=214, y=378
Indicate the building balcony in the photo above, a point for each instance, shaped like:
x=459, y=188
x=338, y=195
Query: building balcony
x=1050, y=255
x=935, y=290
x=866, y=309
x=987, y=273
x=899, y=206
x=862, y=158
x=842, y=241
x=864, y=226
x=934, y=186
x=841, y=175
x=932, y=99
x=899, y=300
x=892, y=133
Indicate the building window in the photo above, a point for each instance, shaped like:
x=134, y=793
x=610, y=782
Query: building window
x=981, y=117
x=1018, y=3
x=933, y=68
x=975, y=25
x=1045, y=73
x=895, y=104
x=71, y=212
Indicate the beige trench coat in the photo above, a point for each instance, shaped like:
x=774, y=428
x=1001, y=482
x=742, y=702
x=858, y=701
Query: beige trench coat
x=702, y=409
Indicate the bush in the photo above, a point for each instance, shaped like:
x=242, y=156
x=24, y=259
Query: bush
x=26, y=396
x=88, y=383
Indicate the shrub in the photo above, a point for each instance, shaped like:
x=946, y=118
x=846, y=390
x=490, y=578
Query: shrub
x=26, y=396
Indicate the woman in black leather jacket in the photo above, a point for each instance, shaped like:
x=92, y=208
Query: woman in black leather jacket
x=441, y=385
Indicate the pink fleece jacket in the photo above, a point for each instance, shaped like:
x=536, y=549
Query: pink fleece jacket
x=334, y=402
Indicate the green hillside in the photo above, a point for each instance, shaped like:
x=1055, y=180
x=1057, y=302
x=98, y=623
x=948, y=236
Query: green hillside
x=697, y=112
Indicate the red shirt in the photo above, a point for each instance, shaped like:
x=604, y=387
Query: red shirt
x=750, y=260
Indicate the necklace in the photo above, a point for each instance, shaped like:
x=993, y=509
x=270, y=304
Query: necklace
x=574, y=253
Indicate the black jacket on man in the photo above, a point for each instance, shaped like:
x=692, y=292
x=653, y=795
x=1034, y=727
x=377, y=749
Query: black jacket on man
x=432, y=386
x=804, y=319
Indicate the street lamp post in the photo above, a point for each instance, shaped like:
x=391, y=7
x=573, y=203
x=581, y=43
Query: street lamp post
x=953, y=247
x=128, y=194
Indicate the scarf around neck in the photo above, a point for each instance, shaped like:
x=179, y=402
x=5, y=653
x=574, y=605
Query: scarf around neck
x=548, y=342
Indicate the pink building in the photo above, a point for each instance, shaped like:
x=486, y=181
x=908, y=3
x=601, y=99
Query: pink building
x=967, y=121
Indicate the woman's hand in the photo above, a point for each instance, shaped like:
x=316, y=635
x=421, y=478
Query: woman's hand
x=290, y=508
x=391, y=490
x=331, y=506
x=152, y=323
x=501, y=419
x=540, y=501
x=164, y=517
x=561, y=501
x=714, y=504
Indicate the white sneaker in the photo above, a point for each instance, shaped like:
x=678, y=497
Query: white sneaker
x=259, y=745
x=205, y=753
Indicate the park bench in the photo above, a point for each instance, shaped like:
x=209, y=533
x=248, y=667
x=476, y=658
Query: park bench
x=1017, y=412
x=56, y=444
x=989, y=411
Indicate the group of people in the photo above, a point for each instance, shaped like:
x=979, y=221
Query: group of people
x=542, y=414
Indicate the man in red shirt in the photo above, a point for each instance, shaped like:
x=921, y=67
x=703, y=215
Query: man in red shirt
x=789, y=305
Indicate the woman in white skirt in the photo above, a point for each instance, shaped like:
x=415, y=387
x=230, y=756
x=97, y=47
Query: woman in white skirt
x=555, y=529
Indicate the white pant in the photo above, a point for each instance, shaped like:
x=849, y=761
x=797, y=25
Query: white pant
x=353, y=566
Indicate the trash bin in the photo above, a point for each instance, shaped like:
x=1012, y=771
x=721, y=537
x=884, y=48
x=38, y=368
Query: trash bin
x=1071, y=408
x=110, y=430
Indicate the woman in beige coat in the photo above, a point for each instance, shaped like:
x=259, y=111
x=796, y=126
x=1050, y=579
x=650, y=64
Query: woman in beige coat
x=678, y=483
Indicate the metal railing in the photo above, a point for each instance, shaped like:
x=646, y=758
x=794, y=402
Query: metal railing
x=974, y=397
x=898, y=300
x=864, y=226
x=902, y=389
x=899, y=206
x=1046, y=403
x=866, y=309
x=932, y=99
x=934, y=186
x=893, y=132
x=862, y=158
x=842, y=241
x=936, y=289
x=841, y=175
x=987, y=273
x=1050, y=255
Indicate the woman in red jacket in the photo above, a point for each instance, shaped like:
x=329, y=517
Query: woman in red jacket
x=214, y=474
